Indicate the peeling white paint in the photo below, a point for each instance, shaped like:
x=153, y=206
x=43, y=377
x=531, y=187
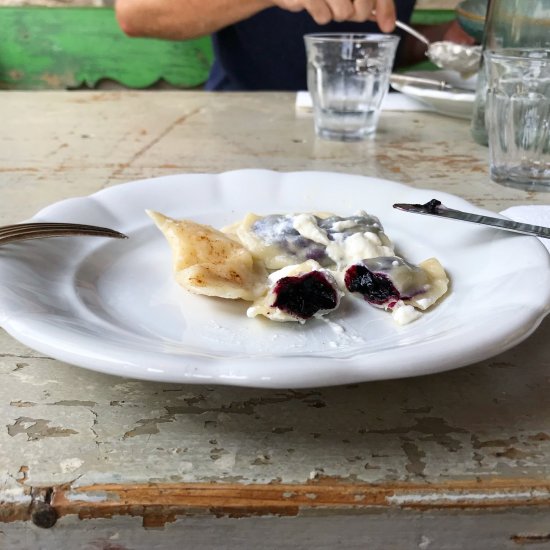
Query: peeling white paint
x=463, y=496
x=70, y=464
x=14, y=495
x=424, y=543
x=33, y=380
x=90, y=496
x=225, y=462
x=185, y=466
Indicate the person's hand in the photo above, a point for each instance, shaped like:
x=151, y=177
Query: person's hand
x=324, y=11
x=455, y=33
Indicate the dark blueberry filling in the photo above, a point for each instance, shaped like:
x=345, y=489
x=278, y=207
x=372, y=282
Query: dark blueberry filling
x=376, y=288
x=304, y=295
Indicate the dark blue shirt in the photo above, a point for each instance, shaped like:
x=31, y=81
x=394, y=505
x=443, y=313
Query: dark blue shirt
x=267, y=51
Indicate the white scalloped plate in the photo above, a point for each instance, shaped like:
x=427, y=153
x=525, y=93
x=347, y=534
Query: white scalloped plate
x=450, y=103
x=112, y=306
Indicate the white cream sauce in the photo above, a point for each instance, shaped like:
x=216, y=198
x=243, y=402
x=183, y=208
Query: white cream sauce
x=347, y=240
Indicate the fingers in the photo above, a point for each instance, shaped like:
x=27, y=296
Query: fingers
x=455, y=33
x=363, y=10
x=324, y=11
x=385, y=15
x=320, y=11
x=358, y=11
x=342, y=10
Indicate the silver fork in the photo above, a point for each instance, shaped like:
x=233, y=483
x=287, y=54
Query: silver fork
x=41, y=230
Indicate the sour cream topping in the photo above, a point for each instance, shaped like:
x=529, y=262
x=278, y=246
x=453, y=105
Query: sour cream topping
x=347, y=240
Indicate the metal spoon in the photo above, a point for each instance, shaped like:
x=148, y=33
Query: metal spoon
x=448, y=55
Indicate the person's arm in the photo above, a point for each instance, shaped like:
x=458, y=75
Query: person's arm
x=183, y=19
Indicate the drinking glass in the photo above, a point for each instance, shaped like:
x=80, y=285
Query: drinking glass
x=348, y=76
x=508, y=24
x=518, y=117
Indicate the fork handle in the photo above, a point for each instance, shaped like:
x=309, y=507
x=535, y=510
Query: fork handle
x=20, y=232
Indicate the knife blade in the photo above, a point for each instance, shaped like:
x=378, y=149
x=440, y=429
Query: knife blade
x=435, y=208
x=427, y=83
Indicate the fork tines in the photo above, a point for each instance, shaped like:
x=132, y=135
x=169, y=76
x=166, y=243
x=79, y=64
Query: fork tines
x=40, y=230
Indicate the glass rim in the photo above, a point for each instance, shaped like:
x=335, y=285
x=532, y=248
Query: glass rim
x=521, y=54
x=351, y=36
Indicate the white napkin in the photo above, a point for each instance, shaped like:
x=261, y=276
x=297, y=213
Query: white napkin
x=392, y=102
x=533, y=213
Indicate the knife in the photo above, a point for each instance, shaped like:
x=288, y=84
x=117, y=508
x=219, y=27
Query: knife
x=427, y=83
x=435, y=208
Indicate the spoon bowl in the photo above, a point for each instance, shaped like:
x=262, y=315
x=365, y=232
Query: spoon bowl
x=448, y=55
x=458, y=57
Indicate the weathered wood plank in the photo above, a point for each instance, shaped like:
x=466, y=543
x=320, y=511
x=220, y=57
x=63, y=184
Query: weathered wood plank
x=238, y=500
x=60, y=48
x=399, y=530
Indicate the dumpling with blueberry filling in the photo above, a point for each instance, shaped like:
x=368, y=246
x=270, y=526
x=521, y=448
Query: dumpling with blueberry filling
x=280, y=240
x=274, y=240
x=396, y=285
x=298, y=293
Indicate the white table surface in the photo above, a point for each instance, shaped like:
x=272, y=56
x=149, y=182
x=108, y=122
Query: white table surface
x=454, y=460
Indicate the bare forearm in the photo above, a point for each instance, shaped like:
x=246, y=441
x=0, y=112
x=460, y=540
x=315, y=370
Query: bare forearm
x=182, y=19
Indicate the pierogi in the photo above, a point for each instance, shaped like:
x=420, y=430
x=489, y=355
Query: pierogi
x=298, y=292
x=280, y=240
x=294, y=267
x=207, y=261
